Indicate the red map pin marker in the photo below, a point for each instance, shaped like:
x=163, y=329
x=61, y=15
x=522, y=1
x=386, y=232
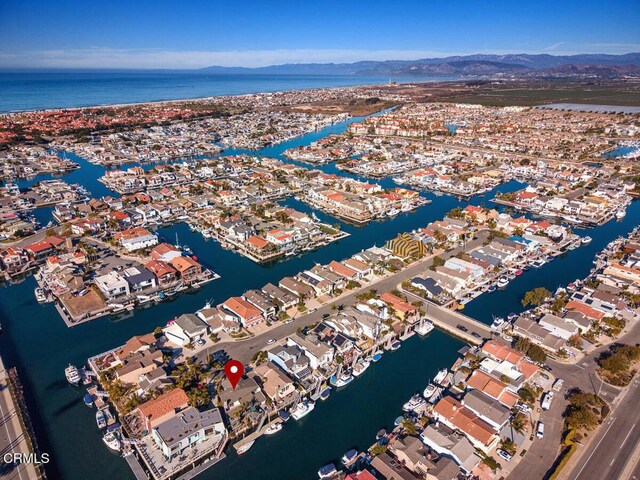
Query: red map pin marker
x=234, y=370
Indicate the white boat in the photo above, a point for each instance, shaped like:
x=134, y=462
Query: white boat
x=586, y=240
x=503, y=282
x=245, y=448
x=327, y=471
x=349, y=457
x=621, y=213
x=539, y=263
x=303, y=409
x=440, y=376
x=345, y=379
x=414, y=403
x=275, y=428
x=112, y=441
x=424, y=328
x=40, y=295
x=101, y=419
x=429, y=391
x=72, y=374
x=360, y=367
x=497, y=323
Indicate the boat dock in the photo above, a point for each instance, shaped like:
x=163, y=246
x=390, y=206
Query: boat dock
x=255, y=435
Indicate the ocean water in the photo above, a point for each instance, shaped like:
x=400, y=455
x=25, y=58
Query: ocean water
x=35, y=91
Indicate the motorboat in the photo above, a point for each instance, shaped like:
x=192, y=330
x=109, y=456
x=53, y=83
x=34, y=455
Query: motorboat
x=381, y=434
x=518, y=272
x=491, y=288
x=497, y=323
x=503, y=282
x=621, y=213
x=284, y=415
x=360, y=367
x=424, y=328
x=586, y=240
x=512, y=316
x=72, y=374
x=395, y=346
x=538, y=263
x=429, y=391
x=326, y=393
x=376, y=357
x=101, y=419
x=398, y=421
x=41, y=297
x=303, y=409
x=112, y=441
x=88, y=400
x=327, y=471
x=414, y=403
x=245, y=448
x=349, y=457
x=275, y=428
x=440, y=376
x=345, y=379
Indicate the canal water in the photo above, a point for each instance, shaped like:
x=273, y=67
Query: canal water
x=40, y=345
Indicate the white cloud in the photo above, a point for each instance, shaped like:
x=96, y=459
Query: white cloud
x=103, y=57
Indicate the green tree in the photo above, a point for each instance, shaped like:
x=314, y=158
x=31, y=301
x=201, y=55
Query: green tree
x=535, y=297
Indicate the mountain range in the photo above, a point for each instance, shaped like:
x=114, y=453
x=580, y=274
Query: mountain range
x=468, y=65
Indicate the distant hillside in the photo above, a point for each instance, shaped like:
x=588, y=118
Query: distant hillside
x=479, y=64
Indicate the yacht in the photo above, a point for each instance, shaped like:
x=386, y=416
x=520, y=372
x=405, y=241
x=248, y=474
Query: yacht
x=275, y=428
x=41, y=297
x=621, y=213
x=303, y=409
x=72, y=374
x=112, y=441
x=325, y=393
x=360, y=367
x=349, y=457
x=429, y=391
x=327, y=471
x=345, y=379
x=586, y=240
x=245, y=448
x=497, y=323
x=441, y=375
x=503, y=282
x=101, y=419
x=424, y=328
x=414, y=403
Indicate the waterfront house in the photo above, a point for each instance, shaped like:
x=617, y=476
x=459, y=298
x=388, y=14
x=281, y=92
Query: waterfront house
x=343, y=270
x=164, y=273
x=112, y=285
x=491, y=386
x=275, y=384
x=487, y=409
x=558, y=326
x=291, y=359
x=13, y=259
x=135, y=344
x=186, y=329
x=282, y=297
x=451, y=444
x=319, y=353
x=137, y=364
x=245, y=312
x=139, y=278
x=403, y=309
x=412, y=453
x=153, y=412
x=165, y=252
x=391, y=469
x=187, y=267
x=454, y=414
x=188, y=428
x=136, y=238
x=262, y=302
x=297, y=288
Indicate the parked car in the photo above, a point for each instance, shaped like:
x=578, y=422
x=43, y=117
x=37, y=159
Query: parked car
x=558, y=384
x=200, y=342
x=546, y=400
x=462, y=327
x=289, y=321
x=271, y=341
x=524, y=408
x=540, y=430
x=503, y=454
x=476, y=335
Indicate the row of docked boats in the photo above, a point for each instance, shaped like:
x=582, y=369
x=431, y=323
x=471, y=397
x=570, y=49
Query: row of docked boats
x=348, y=460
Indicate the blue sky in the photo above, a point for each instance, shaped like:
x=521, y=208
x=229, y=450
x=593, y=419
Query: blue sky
x=194, y=33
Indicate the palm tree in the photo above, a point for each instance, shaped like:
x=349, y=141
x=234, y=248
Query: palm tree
x=409, y=427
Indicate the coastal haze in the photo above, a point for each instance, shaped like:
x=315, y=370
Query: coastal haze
x=418, y=232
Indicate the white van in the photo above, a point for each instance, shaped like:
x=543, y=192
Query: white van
x=546, y=400
x=540, y=430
